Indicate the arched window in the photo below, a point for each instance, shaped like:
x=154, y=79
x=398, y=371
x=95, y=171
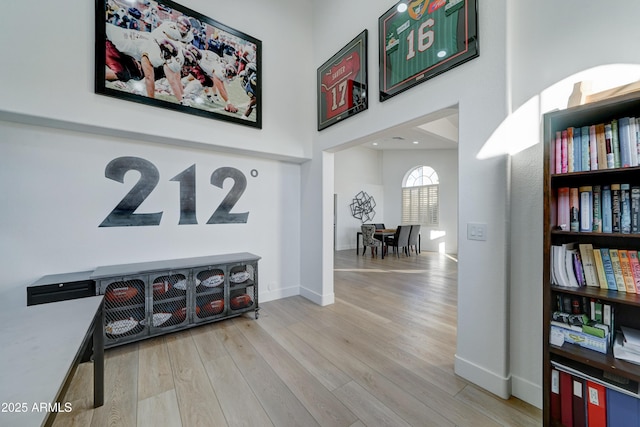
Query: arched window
x=420, y=199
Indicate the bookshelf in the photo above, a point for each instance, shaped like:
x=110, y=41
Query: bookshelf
x=626, y=305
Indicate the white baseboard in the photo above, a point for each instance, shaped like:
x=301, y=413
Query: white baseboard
x=490, y=381
x=527, y=391
x=315, y=297
x=279, y=293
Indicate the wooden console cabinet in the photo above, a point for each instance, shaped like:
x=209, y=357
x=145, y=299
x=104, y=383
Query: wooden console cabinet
x=142, y=300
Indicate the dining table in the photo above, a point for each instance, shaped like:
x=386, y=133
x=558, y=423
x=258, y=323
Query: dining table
x=381, y=234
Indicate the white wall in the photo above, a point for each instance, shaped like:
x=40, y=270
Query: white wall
x=54, y=195
x=478, y=87
x=51, y=76
x=396, y=164
x=57, y=136
x=356, y=169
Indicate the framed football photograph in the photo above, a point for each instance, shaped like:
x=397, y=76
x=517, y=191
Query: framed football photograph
x=159, y=53
x=342, y=83
x=419, y=39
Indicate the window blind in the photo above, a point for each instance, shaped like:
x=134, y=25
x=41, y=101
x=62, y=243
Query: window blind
x=420, y=205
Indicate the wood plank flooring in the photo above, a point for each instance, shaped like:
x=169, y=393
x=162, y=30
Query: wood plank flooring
x=382, y=355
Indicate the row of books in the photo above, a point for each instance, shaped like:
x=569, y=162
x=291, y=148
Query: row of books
x=615, y=144
x=575, y=265
x=580, y=400
x=599, y=209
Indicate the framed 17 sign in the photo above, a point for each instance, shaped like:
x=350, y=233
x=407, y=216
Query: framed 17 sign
x=342, y=83
x=425, y=39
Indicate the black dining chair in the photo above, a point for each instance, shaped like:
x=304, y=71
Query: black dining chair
x=414, y=234
x=378, y=227
x=400, y=239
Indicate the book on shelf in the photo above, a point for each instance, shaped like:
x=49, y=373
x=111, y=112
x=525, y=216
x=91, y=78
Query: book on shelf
x=578, y=402
x=566, y=399
x=622, y=410
x=574, y=209
x=625, y=209
x=615, y=141
x=555, y=395
x=602, y=278
x=558, y=153
x=588, y=265
x=608, y=140
x=637, y=141
x=593, y=148
x=635, y=209
x=601, y=146
x=633, y=132
x=627, y=273
x=577, y=267
x=597, y=311
x=607, y=225
x=625, y=142
x=563, y=208
x=608, y=319
x=559, y=266
x=584, y=139
x=617, y=269
x=615, y=208
x=597, y=209
x=596, y=404
x=564, y=152
x=568, y=136
x=607, y=266
x=635, y=268
x=569, y=253
x=574, y=134
x=586, y=208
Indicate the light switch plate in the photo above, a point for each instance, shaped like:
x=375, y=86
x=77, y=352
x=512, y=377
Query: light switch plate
x=476, y=231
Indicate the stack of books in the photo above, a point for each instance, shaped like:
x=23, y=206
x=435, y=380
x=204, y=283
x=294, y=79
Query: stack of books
x=627, y=345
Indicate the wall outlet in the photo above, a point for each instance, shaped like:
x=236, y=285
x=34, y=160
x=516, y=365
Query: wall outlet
x=476, y=231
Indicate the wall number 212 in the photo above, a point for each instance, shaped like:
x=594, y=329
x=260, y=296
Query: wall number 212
x=123, y=215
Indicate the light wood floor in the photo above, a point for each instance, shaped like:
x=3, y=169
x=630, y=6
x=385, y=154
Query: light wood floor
x=382, y=355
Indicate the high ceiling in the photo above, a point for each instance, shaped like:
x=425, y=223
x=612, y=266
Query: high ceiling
x=438, y=131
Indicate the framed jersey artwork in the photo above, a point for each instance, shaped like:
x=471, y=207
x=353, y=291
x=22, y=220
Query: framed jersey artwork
x=424, y=38
x=159, y=53
x=342, y=83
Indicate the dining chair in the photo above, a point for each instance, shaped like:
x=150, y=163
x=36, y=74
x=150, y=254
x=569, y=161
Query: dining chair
x=400, y=239
x=368, y=240
x=413, y=237
x=378, y=227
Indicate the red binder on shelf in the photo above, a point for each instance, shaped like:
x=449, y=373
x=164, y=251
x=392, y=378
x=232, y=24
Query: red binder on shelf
x=555, y=395
x=566, y=399
x=596, y=399
x=579, y=409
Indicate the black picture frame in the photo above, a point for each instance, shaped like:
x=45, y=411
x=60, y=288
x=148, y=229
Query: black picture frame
x=343, y=83
x=163, y=54
x=426, y=43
